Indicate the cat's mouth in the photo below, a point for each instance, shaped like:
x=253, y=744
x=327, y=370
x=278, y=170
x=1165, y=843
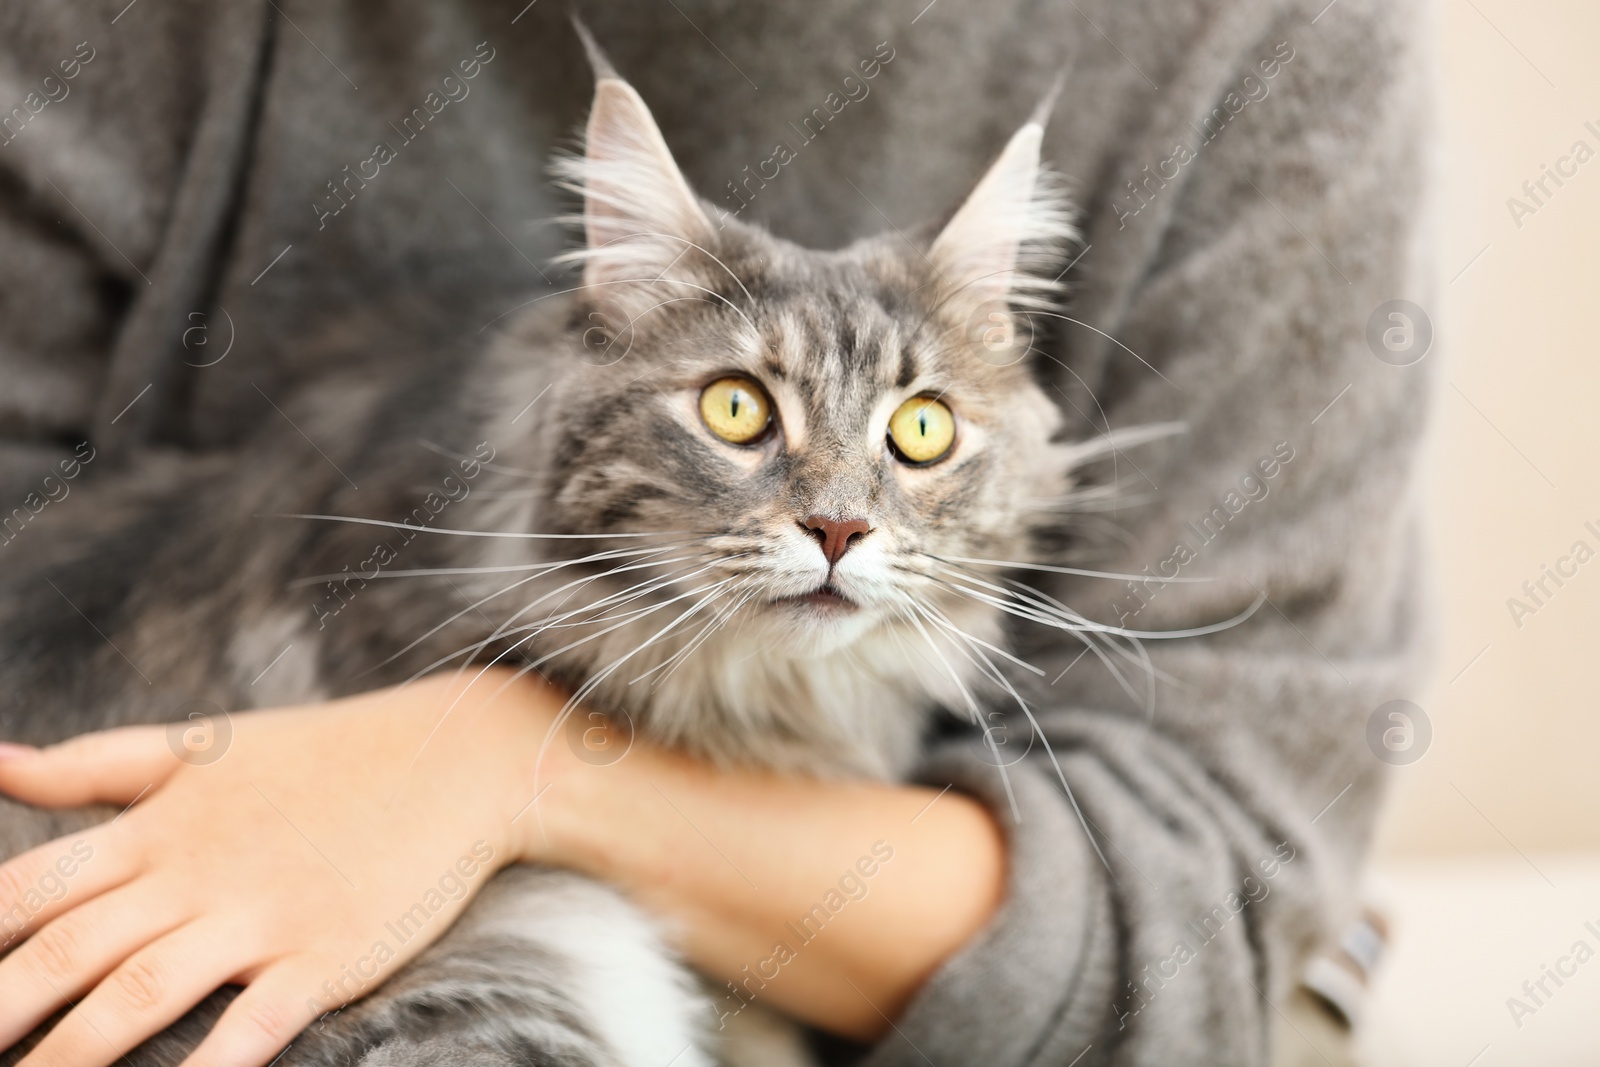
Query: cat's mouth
x=825, y=598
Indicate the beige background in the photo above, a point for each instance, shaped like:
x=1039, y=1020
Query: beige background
x=1489, y=859
x=1516, y=733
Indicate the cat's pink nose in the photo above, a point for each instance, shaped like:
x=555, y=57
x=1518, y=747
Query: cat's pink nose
x=836, y=535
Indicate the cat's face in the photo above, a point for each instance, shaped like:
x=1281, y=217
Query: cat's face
x=827, y=430
x=829, y=442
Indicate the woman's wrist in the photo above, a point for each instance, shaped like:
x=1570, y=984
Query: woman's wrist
x=499, y=719
x=598, y=791
x=565, y=787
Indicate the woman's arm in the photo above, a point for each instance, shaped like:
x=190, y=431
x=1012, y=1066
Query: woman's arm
x=829, y=901
x=275, y=865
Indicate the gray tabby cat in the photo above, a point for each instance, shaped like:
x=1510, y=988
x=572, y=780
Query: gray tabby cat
x=776, y=475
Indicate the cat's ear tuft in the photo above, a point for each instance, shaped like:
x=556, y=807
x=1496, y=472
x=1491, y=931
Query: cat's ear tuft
x=1013, y=226
x=639, y=213
x=599, y=62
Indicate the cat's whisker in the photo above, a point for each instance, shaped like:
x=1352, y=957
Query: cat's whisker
x=760, y=588
x=584, y=616
x=716, y=623
x=634, y=592
x=695, y=640
x=1071, y=622
x=1105, y=420
x=440, y=626
x=427, y=572
x=510, y=535
x=1151, y=673
x=945, y=621
x=534, y=665
x=599, y=677
x=1108, y=337
x=610, y=553
x=987, y=667
x=1048, y=602
x=709, y=590
x=905, y=645
x=471, y=650
x=1104, y=428
x=528, y=667
x=650, y=610
x=640, y=560
x=533, y=630
x=977, y=655
x=1197, y=631
x=1008, y=601
x=913, y=617
x=777, y=638
x=1058, y=615
x=1082, y=622
x=1019, y=594
x=1091, y=635
x=690, y=557
x=1009, y=564
x=984, y=665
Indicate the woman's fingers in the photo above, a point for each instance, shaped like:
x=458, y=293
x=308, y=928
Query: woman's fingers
x=262, y=1020
x=110, y=766
x=46, y=881
x=142, y=996
x=65, y=958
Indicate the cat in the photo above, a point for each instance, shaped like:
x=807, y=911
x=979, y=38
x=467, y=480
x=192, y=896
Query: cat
x=775, y=478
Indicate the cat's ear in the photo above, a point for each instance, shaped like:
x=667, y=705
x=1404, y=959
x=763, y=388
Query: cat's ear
x=1011, y=226
x=639, y=214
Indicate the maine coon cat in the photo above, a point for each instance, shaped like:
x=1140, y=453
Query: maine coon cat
x=777, y=478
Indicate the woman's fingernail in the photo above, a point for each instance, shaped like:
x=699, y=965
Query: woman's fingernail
x=9, y=751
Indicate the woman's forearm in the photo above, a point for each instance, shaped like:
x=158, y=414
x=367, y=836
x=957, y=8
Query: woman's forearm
x=829, y=901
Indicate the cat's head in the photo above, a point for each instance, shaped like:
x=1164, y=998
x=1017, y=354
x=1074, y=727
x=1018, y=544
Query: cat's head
x=824, y=435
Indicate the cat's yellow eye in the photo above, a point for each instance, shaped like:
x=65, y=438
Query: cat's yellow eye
x=922, y=429
x=736, y=410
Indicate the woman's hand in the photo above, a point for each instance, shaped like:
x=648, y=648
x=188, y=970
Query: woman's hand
x=328, y=846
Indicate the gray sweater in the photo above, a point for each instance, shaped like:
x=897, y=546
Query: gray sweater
x=194, y=212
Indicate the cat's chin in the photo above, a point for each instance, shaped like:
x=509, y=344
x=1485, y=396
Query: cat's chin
x=823, y=602
x=816, y=623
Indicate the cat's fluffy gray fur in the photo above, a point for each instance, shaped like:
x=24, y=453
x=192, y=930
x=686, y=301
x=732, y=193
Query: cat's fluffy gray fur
x=677, y=612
